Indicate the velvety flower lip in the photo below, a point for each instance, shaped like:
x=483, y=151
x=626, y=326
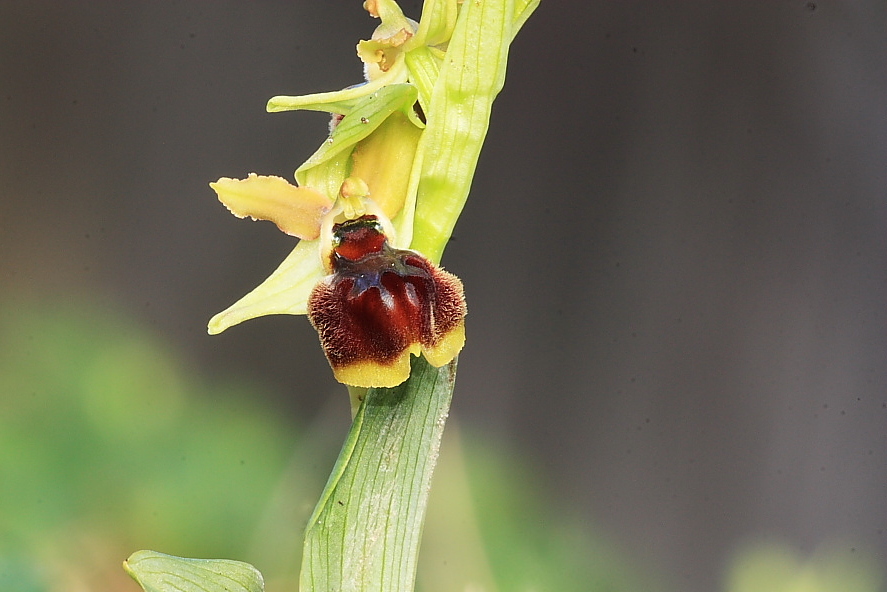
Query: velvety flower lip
x=381, y=305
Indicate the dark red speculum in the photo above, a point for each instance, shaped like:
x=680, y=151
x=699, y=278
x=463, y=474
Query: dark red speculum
x=381, y=304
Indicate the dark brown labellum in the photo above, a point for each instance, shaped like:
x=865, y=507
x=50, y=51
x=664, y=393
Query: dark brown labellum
x=382, y=304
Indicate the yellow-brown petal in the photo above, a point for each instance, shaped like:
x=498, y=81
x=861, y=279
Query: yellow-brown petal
x=297, y=211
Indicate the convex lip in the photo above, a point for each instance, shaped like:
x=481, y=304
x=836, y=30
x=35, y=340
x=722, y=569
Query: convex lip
x=381, y=305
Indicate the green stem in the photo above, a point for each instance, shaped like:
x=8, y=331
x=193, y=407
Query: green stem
x=365, y=532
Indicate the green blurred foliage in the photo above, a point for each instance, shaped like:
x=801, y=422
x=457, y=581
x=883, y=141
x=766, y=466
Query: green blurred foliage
x=772, y=567
x=109, y=443
x=492, y=526
x=552, y=548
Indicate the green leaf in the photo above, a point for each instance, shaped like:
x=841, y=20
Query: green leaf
x=156, y=572
x=437, y=23
x=472, y=75
x=522, y=11
x=365, y=532
x=424, y=65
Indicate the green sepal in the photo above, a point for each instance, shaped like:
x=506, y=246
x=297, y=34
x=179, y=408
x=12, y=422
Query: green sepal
x=285, y=291
x=366, y=115
x=339, y=101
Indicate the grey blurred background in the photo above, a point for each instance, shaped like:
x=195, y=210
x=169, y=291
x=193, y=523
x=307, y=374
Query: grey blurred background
x=675, y=251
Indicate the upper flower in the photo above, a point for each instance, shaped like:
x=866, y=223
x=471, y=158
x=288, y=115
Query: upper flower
x=402, y=150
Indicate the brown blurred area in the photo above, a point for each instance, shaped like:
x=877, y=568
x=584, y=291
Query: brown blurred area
x=675, y=252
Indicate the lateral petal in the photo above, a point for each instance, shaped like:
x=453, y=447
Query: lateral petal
x=297, y=211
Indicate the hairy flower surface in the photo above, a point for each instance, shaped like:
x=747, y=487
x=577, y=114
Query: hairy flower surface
x=382, y=304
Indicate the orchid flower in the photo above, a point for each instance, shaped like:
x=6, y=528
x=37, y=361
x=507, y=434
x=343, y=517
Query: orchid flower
x=393, y=175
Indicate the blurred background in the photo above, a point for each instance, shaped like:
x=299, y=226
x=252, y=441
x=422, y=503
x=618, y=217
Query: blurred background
x=676, y=266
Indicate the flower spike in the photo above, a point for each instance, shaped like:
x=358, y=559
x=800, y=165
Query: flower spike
x=393, y=175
